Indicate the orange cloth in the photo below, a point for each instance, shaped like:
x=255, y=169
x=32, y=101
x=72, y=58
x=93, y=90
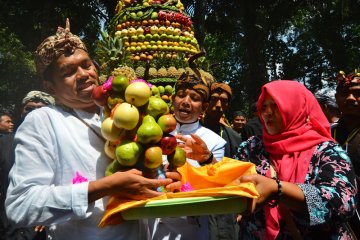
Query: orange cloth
x=210, y=180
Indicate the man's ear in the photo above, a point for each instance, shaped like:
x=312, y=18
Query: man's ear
x=49, y=87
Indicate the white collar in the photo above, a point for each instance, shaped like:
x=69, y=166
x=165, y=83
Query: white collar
x=186, y=128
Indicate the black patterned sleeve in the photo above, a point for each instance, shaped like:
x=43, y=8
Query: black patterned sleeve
x=330, y=188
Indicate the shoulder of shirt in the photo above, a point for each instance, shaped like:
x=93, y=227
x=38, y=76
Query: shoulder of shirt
x=206, y=132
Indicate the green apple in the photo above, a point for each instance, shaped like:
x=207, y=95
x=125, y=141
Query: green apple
x=139, y=14
x=177, y=158
x=155, y=37
x=133, y=15
x=134, y=38
x=161, y=90
x=128, y=153
x=163, y=37
x=154, y=15
x=168, y=90
x=148, y=37
x=157, y=107
x=119, y=83
x=141, y=37
x=112, y=168
x=155, y=90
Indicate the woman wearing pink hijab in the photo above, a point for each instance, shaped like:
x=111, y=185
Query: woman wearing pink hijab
x=306, y=181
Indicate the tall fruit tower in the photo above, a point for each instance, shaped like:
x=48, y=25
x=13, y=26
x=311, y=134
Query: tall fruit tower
x=149, y=39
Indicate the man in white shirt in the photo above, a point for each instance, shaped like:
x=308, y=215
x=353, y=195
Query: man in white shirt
x=202, y=146
x=58, y=176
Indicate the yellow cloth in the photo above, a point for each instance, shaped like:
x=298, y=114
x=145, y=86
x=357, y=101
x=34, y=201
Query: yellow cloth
x=210, y=180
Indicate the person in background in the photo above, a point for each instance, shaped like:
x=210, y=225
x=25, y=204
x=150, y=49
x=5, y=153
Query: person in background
x=220, y=97
x=58, y=178
x=330, y=108
x=305, y=180
x=239, y=121
x=347, y=131
x=32, y=100
x=191, y=98
x=253, y=126
x=6, y=124
x=222, y=226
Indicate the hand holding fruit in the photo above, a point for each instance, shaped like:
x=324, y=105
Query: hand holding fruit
x=130, y=185
x=176, y=184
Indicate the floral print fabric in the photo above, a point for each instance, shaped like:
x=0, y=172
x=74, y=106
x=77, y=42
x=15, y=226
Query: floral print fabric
x=329, y=189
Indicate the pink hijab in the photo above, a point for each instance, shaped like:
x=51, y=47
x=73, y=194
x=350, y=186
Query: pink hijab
x=305, y=126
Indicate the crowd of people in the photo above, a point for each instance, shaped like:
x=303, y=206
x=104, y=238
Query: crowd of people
x=307, y=160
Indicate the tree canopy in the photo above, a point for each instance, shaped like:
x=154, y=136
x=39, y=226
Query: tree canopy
x=249, y=42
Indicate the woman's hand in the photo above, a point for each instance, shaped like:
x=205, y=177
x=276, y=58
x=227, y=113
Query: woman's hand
x=194, y=147
x=266, y=187
x=292, y=195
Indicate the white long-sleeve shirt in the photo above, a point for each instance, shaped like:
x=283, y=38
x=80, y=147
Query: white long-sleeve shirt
x=189, y=228
x=51, y=146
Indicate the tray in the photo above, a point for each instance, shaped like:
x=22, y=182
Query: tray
x=192, y=206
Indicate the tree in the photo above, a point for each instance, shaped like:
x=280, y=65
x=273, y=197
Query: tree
x=252, y=42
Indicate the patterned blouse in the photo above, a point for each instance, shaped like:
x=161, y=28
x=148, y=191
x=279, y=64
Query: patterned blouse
x=329, y=189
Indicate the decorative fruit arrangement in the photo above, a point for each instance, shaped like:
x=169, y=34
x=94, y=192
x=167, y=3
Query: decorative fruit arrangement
x=151, y=40
x=149, y=28
x=137, y=126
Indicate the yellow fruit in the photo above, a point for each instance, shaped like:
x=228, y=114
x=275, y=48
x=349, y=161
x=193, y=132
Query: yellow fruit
x=126, y=116
x=137, y=93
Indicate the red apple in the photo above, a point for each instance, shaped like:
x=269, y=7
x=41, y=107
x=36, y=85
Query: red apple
x=99, y=95
x=153, y=157
x=168, y=144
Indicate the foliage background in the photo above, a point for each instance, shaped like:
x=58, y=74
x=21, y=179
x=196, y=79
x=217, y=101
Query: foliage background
x=252, y=41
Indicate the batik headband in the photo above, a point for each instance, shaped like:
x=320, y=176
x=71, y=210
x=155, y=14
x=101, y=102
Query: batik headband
x=54, y=46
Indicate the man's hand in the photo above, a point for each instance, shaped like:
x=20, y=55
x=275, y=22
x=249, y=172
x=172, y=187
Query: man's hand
x=176, y=184
x=130, y=184
x=194, y=147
